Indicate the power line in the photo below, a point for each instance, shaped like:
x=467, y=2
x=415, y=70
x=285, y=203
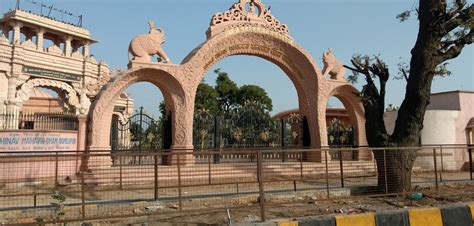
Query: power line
x=50, y=9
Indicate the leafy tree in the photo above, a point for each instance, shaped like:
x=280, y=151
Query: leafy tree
x=206, y=99
x=136, y=131
x=253, y=93
x=246, y=108
x=227, y=91
x=445, y=28
x=162, y=108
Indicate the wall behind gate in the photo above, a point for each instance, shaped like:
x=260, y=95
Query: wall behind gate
x=37, y=143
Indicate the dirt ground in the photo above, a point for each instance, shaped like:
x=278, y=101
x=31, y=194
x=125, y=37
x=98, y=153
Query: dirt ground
x=306, y=205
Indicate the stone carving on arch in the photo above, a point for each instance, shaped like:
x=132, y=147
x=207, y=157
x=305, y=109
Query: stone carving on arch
x=255, y=14
x=23, y=94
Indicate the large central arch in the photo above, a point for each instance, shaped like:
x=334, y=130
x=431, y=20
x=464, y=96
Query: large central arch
x=292, y=59
x=246, y=29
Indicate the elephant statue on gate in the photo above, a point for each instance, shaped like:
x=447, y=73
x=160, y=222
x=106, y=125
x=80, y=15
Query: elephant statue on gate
x=332, y=66
x=145, y=45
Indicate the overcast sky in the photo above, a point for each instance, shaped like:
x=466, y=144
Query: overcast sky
x=347, y=26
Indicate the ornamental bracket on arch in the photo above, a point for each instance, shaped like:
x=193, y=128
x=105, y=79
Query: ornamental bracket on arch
x=246, y=12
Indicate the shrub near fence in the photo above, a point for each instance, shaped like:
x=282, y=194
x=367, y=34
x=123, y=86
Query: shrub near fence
x=196, y=181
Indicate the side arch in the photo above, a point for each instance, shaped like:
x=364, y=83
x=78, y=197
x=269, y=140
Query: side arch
x=347, y=94
x=24, y=93
x=100, y=115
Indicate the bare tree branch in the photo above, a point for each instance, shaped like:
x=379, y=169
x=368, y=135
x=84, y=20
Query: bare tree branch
x=457, y=46
x=363, y=69
x=404, y=74
x=353, y=69
x=453, y=21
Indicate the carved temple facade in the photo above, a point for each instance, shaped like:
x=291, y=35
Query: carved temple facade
x=37, y=51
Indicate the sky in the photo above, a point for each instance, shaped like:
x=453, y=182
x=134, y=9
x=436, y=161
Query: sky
x=347, y=26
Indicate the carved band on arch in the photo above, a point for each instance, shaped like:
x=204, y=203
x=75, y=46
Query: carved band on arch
x=24, y=93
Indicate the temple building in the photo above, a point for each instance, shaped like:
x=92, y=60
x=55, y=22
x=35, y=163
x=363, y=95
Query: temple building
x=37, y=54
x=449, y=121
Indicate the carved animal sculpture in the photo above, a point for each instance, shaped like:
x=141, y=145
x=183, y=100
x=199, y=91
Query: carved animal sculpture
x=332, y=66
x=145, y=45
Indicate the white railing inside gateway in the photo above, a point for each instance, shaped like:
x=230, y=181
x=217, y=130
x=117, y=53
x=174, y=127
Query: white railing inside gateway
x=38, y=121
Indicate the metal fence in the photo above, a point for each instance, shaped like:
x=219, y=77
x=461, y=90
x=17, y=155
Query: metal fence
x=38, y=121
x=249, y=126
x=32, y=184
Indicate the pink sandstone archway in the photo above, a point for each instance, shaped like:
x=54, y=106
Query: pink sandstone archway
x=239, y=31
x=174, y=95
x=292, y=59
x=347, y=94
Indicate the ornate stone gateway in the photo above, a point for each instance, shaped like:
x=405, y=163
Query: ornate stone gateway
x=247, y=28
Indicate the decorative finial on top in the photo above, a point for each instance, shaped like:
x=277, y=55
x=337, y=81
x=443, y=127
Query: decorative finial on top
x=246, y=12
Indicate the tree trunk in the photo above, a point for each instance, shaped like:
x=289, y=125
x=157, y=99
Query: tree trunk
x=409, y=122
x=431, y=49
x=394, y=167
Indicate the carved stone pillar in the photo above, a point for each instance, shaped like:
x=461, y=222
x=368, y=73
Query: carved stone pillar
x=182, y=120
x=81, y=136
x=86, y=49
x=11, y=93
x=82, y=130
x=39, y=39
x=67, y=46
x=16, y=32
x=3, y=86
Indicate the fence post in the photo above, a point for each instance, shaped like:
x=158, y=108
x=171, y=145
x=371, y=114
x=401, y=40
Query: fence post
x=341, y=168
x=83, y=202
x=435, y=168
x=179, y=183
x=56, y=169
x=284, y=156
x=301, y=166
x=261, y=197
x=217, y=140
x=209, y=167
x=120, y=171
x=469, y=149
x=442, y=165
x=327, y=172
x=385, y=171
x=156, y=176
